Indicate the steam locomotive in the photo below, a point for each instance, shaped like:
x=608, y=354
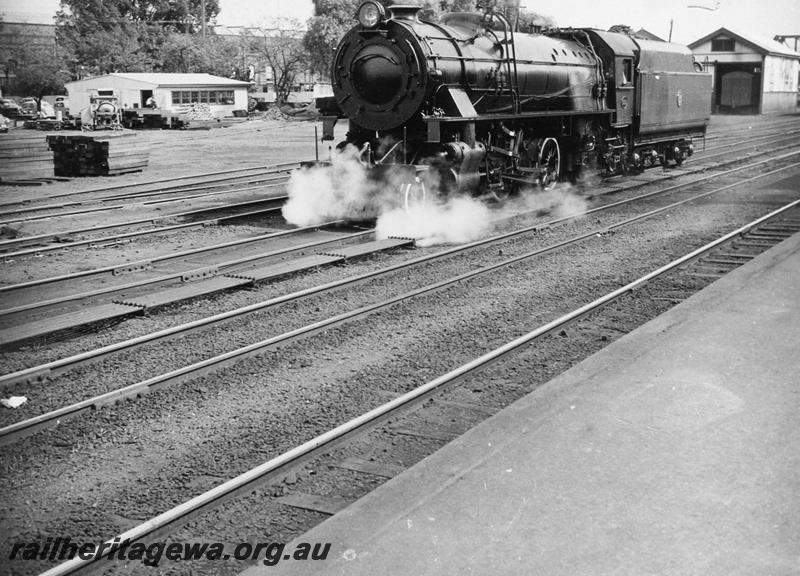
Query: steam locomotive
x=469, y=103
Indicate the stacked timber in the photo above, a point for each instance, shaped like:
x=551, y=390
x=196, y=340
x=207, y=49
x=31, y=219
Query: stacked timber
x=98, y=155
x=24, y=156
x=195, y=112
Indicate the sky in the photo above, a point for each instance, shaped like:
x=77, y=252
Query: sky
x=763, y=18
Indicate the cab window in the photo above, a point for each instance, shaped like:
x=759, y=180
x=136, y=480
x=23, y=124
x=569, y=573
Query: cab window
x=626, y=71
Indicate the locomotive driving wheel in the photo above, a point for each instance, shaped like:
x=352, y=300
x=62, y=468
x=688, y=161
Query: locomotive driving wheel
x=414, y=194
x=549, y=164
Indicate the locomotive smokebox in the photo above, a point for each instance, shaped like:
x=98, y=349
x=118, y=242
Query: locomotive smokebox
x=377, y=75
x=380, y=74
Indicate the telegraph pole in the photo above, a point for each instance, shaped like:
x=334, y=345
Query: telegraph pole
x=203, y=18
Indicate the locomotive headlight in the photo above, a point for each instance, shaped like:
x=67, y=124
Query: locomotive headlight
x=370, y=14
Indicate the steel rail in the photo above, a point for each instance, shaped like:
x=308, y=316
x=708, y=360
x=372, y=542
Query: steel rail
x=647, y=195
x=190, y=252
x=247, y=481
x=287, y=165
x=134, y=204
x=700, y=156
x=735, y=133
x=57, y=235
x=26, y=427
x=696, y=167
x=41, y=372
x=118, y=238
x=174, y=275
x=143, y=194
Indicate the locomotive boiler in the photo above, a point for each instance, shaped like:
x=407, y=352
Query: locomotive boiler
x=467, y=103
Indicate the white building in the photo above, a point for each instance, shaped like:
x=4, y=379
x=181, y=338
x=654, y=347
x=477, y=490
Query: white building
x=751, y=75
x=170, y=91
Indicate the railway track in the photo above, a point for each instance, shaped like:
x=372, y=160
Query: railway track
x=18, y=247
x=197, y=193
x=172, y=278
x=39, y=373
x=280, y=466
x=112, y=437
x=167, y=187
x=66, y=239
x=35, y=309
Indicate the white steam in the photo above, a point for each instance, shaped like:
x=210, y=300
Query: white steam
x=325, y=193
x=558, y=203
x=346, y=190
x=457, y=221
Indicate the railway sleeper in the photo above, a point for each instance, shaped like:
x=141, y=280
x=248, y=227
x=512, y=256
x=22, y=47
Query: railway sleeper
x=68, y=322
x=122, y=308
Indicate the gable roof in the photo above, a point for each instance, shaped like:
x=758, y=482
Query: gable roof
x=763, y=45
x=178, y=79
x=647, y=35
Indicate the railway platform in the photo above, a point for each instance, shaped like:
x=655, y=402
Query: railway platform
x=675, y=450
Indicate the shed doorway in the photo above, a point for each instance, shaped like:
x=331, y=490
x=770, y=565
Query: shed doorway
x=144, y=96
x=738, y=88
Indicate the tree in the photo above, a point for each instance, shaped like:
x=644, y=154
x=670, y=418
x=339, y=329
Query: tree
x=37, y=71
x=124, y=35
x=332, y=18
x=283, y=52
x=621, y=29
x=187, y=53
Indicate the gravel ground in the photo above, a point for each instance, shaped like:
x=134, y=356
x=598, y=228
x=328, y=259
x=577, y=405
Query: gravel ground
x=178, y=153
x=95, y=476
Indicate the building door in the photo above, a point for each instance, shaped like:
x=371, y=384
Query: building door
x=144, y=96
x=738, y=88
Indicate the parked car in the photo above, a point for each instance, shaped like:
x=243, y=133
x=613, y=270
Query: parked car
x=30, y=107
x=9, y=108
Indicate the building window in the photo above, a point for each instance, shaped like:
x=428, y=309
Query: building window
x=202, y=96
x=723, y=45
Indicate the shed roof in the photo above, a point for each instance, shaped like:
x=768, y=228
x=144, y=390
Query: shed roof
x=173, y=79
x=763, y=45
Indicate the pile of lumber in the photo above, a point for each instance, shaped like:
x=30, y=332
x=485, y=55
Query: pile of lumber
x=196, y=112
x=24, y=156
x=98, y=155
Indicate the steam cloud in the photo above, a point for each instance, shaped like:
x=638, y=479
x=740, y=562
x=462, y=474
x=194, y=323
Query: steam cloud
x=457, y=221
x=324, y=193
x=558, y=203
x=344, y=190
